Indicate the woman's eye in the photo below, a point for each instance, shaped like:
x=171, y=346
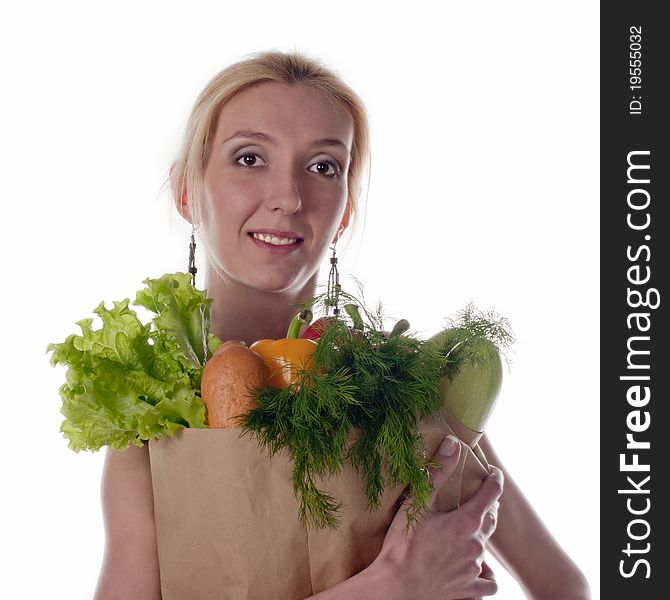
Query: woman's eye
x=323, y=168
x=247, y=163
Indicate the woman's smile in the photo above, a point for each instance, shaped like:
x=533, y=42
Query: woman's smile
x=274, y=244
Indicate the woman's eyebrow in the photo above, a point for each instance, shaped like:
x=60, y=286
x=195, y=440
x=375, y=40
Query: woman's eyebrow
x=257, y=135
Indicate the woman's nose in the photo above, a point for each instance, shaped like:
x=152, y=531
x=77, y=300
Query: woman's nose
x=284, y=192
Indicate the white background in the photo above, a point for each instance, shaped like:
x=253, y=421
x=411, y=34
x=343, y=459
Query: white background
x=484, y=187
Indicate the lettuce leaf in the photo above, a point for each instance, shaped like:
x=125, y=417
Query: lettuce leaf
x=128, y=382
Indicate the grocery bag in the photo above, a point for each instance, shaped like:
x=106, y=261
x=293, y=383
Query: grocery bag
x=227, y=521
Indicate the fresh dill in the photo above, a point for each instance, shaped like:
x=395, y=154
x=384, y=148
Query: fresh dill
x=379, y=387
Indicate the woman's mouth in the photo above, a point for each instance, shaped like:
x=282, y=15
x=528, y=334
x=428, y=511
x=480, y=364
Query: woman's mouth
x=274, y=244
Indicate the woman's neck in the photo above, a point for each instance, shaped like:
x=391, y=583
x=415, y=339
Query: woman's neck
x=246, y=314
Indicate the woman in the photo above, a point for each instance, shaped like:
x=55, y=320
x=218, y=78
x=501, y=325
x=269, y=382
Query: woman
x=270, y=174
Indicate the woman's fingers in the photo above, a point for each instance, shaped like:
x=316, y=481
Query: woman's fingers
x=447, y=454
x=490, y=521
x=486, y=584
x=483, y=500
x=487, y=572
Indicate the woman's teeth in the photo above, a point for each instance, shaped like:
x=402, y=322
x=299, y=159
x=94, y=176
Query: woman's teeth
x=273, y=239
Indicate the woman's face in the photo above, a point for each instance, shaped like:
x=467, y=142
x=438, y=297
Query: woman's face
x=279, y=160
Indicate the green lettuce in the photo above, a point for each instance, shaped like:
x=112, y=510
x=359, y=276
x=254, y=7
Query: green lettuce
x=128, y=382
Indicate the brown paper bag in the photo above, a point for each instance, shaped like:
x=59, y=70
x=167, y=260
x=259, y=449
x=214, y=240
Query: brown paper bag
x=227, y=522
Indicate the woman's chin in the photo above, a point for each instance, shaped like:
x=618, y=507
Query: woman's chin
x=274, y=282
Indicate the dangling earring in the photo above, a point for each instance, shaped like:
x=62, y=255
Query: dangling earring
x=333, y=292
x=191, y=257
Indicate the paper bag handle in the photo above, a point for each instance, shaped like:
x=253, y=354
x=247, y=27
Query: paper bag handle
x=470, y=472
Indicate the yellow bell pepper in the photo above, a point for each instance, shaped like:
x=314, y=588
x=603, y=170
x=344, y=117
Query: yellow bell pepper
x=285, y=356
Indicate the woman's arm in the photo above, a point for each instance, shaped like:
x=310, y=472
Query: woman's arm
x=526, y=548
x=130, y=564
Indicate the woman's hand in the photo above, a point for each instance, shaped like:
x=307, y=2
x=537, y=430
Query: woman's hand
x=442, y=556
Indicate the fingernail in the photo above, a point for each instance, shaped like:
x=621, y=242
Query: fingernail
x=448, y=446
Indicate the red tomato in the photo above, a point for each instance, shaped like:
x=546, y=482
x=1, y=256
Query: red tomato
x=314, y=331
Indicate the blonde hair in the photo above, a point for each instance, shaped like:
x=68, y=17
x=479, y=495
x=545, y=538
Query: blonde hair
x=188, y=168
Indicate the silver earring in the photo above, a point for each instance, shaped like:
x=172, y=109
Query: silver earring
x=333, y=293
x=191, y=257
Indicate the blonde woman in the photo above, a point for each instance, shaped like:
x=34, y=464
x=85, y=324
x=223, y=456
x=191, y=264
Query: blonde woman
x=270, y=174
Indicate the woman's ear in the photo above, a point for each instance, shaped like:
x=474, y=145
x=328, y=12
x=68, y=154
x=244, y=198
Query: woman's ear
x=344, y=223
x=182, y=207
x=181, y=199
x=182, y=204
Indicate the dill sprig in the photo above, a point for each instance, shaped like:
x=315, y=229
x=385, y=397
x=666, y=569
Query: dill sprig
x=473, y=334
x=361, y=381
